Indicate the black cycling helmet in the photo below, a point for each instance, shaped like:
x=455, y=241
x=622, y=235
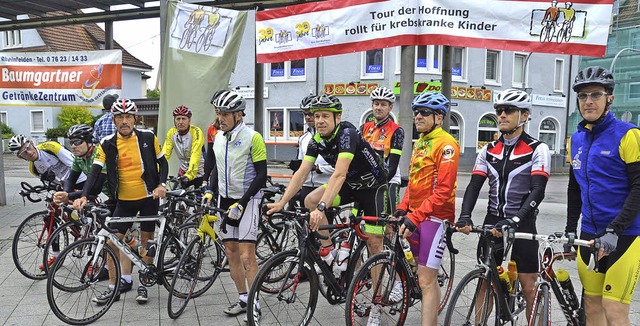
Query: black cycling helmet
x=81, y=131
x=594, y=75
x=108, y=100
x=305, y=104
x=326, y=103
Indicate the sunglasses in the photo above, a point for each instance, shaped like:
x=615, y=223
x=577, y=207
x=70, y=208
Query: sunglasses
x=593, y=95
x=308, y=114
x=76, y=142
x=424, y=113
x=22, y=152
x=506, y=109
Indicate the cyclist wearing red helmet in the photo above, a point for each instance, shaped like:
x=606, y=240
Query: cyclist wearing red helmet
x=188, y=142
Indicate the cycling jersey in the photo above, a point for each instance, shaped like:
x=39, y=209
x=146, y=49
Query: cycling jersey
x=83, y=165
x=55, y=158
x=602, y=159
x=432, y=177
x=569, y=14
x=236, y=151
x=323, y=172
x=189, y=148
x=551, y=14
x=386, y=138
x=367, y=172
x=512, y=166
x=211, y=134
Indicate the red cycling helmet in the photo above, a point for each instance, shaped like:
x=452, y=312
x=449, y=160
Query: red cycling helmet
x=182, y=110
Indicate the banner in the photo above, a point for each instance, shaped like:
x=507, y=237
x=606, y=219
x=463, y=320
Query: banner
x=201, y=49
x=57, y=79
x=337, y=27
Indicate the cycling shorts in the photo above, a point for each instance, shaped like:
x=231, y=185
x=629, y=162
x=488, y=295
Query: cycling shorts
x=524, y=252
x=432, y=242
x=371, y=202
x=618, y=273
x=394, y=196
x=246, y=228
x=144, y=207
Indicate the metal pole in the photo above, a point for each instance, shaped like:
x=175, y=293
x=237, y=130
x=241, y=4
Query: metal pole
x=613, y=63
x=3, y=189
x=446, y=81
x=405, y=117
x=258, y=111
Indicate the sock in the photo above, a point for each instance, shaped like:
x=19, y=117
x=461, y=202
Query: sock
x=112, y=286
x=244, y=297
x=127, y=278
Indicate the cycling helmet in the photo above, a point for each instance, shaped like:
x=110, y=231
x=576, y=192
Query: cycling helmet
x=16, y=142
x=305, y=104
x=568, y=4
x=108, y=100
x=431, y=100
x=123, y=105
x=229, y=101
x=594, y=75
x=326, y=103
x=81, y=131
x=182, y=110
x=382, y=93
x=213, y=98
x=513, y=97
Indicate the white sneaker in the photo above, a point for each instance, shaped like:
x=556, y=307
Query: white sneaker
x=236, y=308
x=375, y=316
x=396, y=294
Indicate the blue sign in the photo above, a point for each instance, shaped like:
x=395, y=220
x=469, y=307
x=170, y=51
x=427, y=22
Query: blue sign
x=422, y=63
x=374, y=69
x=456, y=71
x=297, y=71
x=277, y=72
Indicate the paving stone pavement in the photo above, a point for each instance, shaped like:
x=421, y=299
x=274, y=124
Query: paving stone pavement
x=23, y=301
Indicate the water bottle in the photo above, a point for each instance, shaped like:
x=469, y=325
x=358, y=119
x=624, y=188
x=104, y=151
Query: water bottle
x=567, y=288
x=409, y=255
x=326, y=254
x=512, y=272
x=343, y=259
x=504, y=280
x=151, y=248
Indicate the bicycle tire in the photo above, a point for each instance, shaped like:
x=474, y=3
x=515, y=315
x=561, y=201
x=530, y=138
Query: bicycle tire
x=75, y=307
x=185, y=278
x=27, y=245
x=541, y=312
x=268, y=245
x=462, y=308
x=171, y=249
x=446, y=275
x=65, y=237
x=276, y=304
x=364, y=293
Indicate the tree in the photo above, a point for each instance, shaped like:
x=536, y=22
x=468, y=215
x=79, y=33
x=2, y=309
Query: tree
x=74, y=115
x=7, y=132
x=155, y=93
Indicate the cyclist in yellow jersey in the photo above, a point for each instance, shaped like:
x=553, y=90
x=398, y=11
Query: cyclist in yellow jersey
x=604, y=191
x=136, y=175
x=188, y=143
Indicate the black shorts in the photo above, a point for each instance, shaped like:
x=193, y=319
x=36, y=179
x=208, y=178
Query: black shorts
x=371, y=202
x=523, y=252
x=145, y=207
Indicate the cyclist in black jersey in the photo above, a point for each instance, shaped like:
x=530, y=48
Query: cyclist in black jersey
x=340, y=143
x=517, y=166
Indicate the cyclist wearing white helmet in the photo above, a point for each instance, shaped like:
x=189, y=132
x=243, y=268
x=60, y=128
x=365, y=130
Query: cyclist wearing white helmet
x=386, y=137
x=430, y=196
x=240, y=157
x=136, y=174
x=517, y=166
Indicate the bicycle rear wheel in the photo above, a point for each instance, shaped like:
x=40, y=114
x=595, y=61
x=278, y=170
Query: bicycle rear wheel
x=280, y=294
x=28, y=243
x=69, y=287
x=445, y=277
x=61, y=238
x=380, y=301
x=171, y=250
x=541, y=312
x=473, y=302
x=185, y=278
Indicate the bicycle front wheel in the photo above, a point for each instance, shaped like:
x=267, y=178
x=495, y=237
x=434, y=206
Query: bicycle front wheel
x=473, y=302
x=381, y=299
x=172, y=248
x=28, y=243
x=185, y=278
x=280, y=294
x=541, y=312
x=64, y=235
x=72, y=284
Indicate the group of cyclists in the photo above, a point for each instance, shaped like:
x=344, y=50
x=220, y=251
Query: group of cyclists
x=338, y=163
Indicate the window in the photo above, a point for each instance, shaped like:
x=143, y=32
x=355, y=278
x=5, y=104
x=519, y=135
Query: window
x=286, y=71
x=285, y=124
x=12, y=39
x=3, y=117
x=634, y=91
x=558, y=76
x=456, y=128
x=492, y=67
x=428, y=58
x=635, y=40
x=549, y=133
x=487, y=130
x=612, y=49
x=372, y=64
x=459, y=63
x=37, y=121
x=519, y=73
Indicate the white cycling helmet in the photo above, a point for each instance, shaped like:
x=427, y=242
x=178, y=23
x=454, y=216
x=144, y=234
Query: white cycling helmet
x=383, y=93
x=513, y=97
x=228, y=101
x=16, y=142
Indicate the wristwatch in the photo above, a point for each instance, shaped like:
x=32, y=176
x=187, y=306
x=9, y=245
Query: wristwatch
x=321, y=206
x=164, y=185
x=515, y=219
